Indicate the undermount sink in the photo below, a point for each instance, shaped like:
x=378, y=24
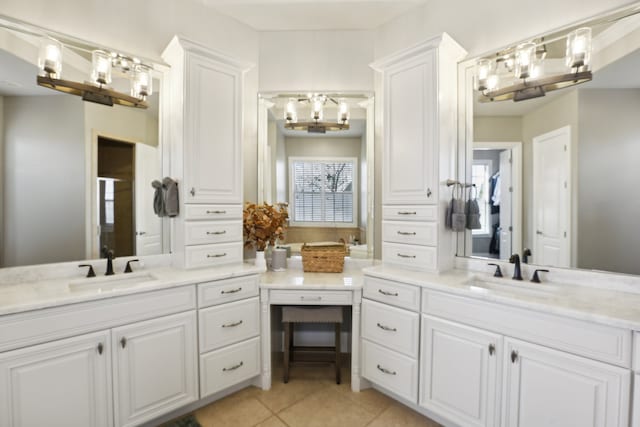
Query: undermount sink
x=477, y=284
x=108, y=283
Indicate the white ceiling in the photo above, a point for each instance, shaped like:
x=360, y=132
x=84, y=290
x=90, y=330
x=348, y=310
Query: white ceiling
x=291, y=15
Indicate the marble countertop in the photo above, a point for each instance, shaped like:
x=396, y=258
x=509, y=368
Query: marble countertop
x=45, y=293
x=601, y=305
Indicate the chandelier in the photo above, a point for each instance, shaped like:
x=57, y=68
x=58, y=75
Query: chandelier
x=97, y=89
x=316, y=103
x=518, y=72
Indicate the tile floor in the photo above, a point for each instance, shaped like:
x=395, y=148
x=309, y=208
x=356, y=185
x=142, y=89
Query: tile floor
x=310, y=399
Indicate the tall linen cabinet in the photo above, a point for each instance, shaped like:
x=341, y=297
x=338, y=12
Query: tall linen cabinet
x=204, y=108
x=419, y=87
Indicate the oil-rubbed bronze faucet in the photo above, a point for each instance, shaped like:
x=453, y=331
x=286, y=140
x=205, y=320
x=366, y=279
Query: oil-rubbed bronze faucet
x=108, y=253
x=515, y=259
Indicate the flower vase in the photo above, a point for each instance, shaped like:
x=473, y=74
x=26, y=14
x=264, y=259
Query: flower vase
x=261, y=261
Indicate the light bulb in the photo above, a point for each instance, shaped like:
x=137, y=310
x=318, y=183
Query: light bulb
x=50, y=57
x=483, y=68
x=101, y=73
x=316, y=109
x=492, y=82
x=141, y=82
x=290, y=113
x=343, y=112
x=525, y=58
x=579, y=49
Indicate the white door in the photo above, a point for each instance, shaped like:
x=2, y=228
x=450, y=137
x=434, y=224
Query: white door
x=460, y=372
x=545, y=387
x=552, y=198
x=411, y=157
x=213, y=126
x=154, y=367
x=148, y=225
x=506, y=211
x=61, y=383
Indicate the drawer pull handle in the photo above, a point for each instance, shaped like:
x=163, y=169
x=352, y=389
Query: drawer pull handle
x=386, y=371
x=492, y=349
x=217, y=255
x=387, y=293
x=231, y=325
x=407, y=213
x=405, y=256
x=232, y=291
x=233, y=368
x=215, y=233
x=217, y=212
x=100, y=348
x=123, y=342
x=514, y=356
x=406, y=233
x=311, y=298
x=387, y=328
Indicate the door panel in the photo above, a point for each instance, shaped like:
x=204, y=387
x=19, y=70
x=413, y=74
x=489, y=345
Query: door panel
x=148, y=225
x=506, y=193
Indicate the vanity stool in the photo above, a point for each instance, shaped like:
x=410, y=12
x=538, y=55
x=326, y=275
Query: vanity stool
x=311, y=314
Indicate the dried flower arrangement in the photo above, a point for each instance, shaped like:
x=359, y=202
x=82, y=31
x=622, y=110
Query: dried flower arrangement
x=263, y=224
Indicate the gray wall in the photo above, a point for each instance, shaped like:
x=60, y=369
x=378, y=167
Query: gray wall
x=497, y=129
x=609, y=174
x=44, y=191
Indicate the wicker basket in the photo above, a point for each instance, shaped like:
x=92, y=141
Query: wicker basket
x=323, y=258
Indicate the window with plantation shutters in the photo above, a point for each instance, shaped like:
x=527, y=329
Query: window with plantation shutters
x=322, y=191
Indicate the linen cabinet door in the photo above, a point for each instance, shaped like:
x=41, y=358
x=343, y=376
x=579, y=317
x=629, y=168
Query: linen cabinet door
x=545, y=387
x=154, y=367
x=60, y=383
x=460, y=372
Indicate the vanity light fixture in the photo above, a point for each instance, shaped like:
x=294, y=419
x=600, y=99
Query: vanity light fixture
x=97, y=90
x=316, y=102
x=525, y=64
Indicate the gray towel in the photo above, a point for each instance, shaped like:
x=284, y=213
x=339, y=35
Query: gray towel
x=158, y=199
x=171, y=203
x=473, y=214
x=458, y=217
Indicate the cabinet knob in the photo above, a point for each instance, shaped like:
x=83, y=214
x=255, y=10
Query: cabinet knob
x=492, y=349
x=100, y=348
x=514, y=356
x=193, y=191
x=429, y=193
x=123, y=342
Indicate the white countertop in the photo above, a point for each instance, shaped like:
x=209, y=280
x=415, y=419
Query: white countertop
x=610, y=307
x=45, y=293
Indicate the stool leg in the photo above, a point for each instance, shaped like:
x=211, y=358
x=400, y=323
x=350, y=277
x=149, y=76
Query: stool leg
x=337, y=353
x=287, y=338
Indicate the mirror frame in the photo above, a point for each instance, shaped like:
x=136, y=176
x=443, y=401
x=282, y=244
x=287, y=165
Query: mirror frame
x=263, y=137
x=466, y=92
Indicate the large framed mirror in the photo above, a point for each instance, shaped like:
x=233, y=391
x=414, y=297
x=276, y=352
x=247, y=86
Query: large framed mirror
x=321, y=167
x=555, y=175
x=75, y=175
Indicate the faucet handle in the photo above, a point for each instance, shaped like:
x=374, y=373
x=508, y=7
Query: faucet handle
x=536, y=278
x=525, y=255
x=90, y=273
x=128, y=269
x=498, y=272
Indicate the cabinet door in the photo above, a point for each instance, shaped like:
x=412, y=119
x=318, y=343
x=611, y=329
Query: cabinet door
x=544, y=387
x=213, y=163
x=460, y=372
x=61, y=383
x=154, y=367
x=411, y=155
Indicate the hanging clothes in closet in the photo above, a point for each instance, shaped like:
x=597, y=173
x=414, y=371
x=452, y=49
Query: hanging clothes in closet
x=494, y=193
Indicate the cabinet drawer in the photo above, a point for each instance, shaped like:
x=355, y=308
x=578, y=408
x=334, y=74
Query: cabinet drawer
x=390, y=370
x=222, y=291
x=410, y=213
x=212, y=255
x=398, y=294
x=310, y=297
x=192, y=212
x=600, y=342
x=231, y=365
x=410, y=256
x=228, y=323
x=203, y=232
x=416, y=233
x=391, y=327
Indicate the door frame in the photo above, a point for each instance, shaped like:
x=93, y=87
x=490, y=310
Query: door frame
x=516, y=195
x=568, y=198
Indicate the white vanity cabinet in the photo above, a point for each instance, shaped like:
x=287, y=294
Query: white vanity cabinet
x=229, y=333
x=65, y=382
x=205, y=112
x=419, y=109
x=154, y=367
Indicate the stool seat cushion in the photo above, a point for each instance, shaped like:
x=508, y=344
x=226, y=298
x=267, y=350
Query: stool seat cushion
x=315, y=314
